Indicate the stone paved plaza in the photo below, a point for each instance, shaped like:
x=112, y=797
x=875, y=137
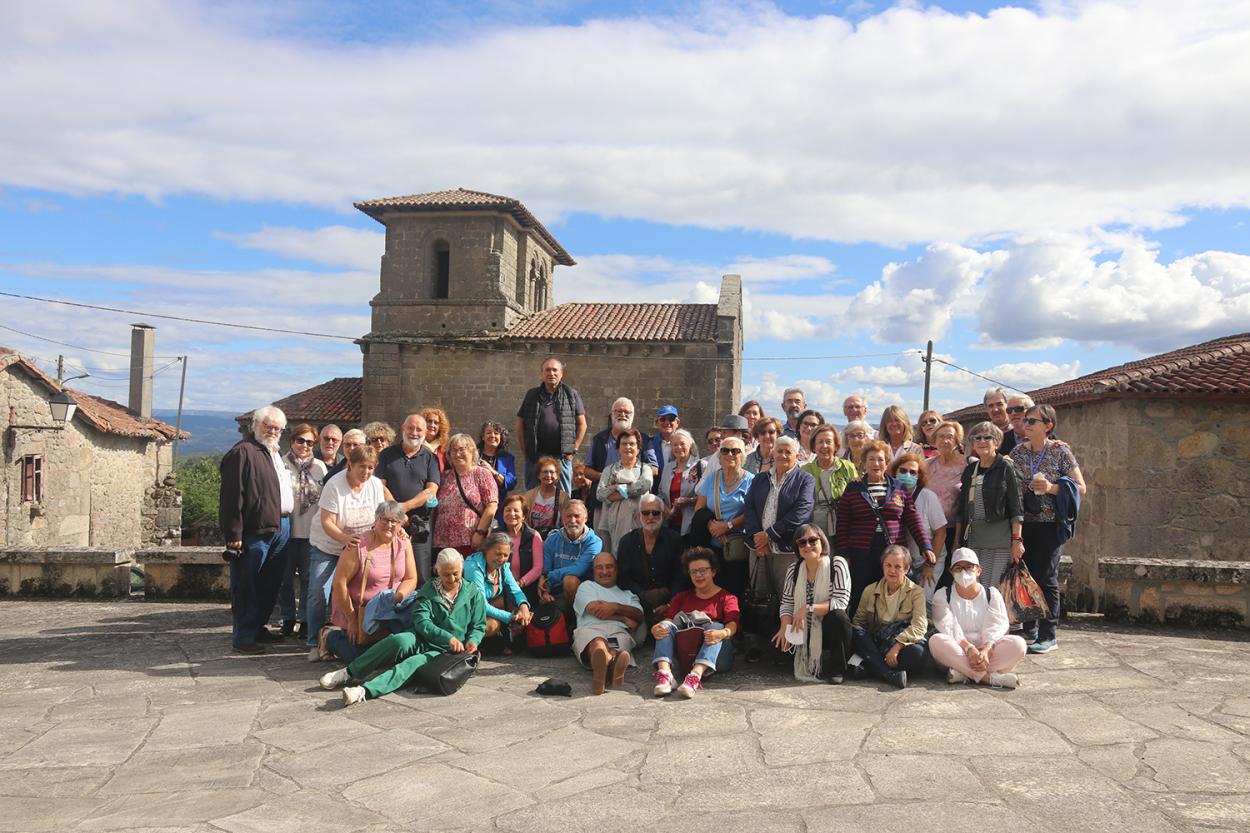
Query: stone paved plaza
x=135, y=716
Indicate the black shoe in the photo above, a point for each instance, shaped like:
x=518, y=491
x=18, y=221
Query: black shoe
x=898, y=679
x=241, y=648
x=755, y=653
x=266, y=635
x=288, y=628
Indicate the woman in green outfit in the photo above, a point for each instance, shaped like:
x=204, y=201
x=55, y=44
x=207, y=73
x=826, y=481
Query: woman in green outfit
x=832, y=473
x=449, y=616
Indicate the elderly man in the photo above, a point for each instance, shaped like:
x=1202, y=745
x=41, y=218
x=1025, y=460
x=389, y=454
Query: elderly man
x=603, y=451
x=328, y=442
x=353, y=439
x=854, y=408
x=256, y=501
x=995, y=401
x=607, y=616
x=567, y=555
x=1017, y=405
x=667, y=420
x=410, y=471
x=649, y=559
x=793, y=403
x=551, y=422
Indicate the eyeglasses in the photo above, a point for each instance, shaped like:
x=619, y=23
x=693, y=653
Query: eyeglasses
x=650, y=513
x=929, y=421
x=857, y=435
x=302, y=441
x=808, y=542
x=331, y=440
x=699, y=571
x=731, y=452
x=982, y=438
x=1017, y=409
x=1033, y=420
x=810, y=425
x=390, y=521
x=376, y=440
x=912, y=472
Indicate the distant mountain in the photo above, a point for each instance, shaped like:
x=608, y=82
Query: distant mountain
x=212, y=432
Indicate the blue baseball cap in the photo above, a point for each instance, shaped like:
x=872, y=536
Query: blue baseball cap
x=666, y=411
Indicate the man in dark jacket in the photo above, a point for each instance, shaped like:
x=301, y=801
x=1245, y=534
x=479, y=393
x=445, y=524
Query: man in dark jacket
x=551, y=422
x=603, y=451
x=255, y=517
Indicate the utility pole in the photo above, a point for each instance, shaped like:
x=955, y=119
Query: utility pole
x=928, y=372
x=182, y=387
x=60, y=369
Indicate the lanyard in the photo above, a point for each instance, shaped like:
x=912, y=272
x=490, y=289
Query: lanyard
x=1035, y=465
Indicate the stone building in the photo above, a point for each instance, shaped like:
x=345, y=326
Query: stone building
x=1163, y=443
x=97, y=480
x=464, y=319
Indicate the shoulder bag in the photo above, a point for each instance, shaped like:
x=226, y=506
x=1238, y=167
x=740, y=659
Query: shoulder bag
x=736, y=548
x=446, y=673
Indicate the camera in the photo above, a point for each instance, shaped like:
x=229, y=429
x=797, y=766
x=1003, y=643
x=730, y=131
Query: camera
x=231, y=554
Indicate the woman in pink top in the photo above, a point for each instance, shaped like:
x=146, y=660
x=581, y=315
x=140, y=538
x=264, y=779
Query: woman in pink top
x=526, y=562
x=467, y=499
x=946, y=468
x=391, y=566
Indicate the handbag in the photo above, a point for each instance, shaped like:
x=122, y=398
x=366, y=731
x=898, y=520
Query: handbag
x=477, y=510
x=736, y=548
x=761, y=610
x=446, y=673
x=366, y=638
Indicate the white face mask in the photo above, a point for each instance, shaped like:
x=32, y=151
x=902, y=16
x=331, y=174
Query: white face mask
x=965, y=578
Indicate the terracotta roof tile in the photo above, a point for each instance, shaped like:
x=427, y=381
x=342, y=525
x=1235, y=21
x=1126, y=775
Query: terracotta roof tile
x=337, y=400
x=463, y=199
x=1212, y=369
x=100, y=413
x=621, y=322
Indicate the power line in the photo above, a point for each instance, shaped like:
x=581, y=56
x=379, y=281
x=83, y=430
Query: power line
x=75, y=346
x=978, y=375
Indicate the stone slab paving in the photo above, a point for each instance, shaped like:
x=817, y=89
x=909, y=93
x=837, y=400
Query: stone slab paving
x=134, y=716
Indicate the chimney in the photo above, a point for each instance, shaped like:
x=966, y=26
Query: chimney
x=142, y=346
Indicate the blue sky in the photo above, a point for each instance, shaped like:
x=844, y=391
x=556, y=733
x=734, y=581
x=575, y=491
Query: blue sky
x=1044, y=189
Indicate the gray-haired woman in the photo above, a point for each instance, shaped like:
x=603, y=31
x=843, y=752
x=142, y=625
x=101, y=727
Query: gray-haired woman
x=990, y=511
x=383, y=561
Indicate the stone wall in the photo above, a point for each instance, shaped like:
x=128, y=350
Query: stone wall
x=162, y=514
x=83, y=572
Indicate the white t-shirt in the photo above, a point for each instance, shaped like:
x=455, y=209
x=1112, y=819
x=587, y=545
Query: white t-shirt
x=354, y=510
x=929, y=508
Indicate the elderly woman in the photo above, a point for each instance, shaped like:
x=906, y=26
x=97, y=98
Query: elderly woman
x=706, y=608
x=857, y=435
x=607, y=616
x=912, y=473
x=807, y=423
x=381, y=560
x=814, y=619
x=306, y=474
x=926, y=431
x=526, y=563
x=765, y=433
x=971, y=620
x=896, y=431
x=546, y=500
x=492, y=453
x=353, y=439
x=379, y=435
x=721, y=508
x=437, y=432
x=831, y=473
x=505, y=601
x=620, y=486
x=448, y=616
x=677, y=481
x=467, y=499
x=989, y=510
x=1044, y=467
x=890, y=623
x=778, y=503
x=945, y=470
x=871, y=513
x=348, y=505
x=649, y=558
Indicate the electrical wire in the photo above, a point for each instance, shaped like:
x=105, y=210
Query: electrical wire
x=75, y=346
x=979, y=376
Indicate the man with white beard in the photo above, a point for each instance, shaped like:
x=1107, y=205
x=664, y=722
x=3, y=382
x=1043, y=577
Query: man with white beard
x=603, y=451
x=410, y=470
x=255, y=517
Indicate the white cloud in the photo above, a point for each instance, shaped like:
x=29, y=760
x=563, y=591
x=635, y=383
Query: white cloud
x=914, y=124
x=330, y=245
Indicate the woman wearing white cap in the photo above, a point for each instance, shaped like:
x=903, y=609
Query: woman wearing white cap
x=972, y=640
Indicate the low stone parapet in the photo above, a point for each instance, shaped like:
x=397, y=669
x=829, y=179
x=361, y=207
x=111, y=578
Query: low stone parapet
x=66, y=571
x=1176, y=591
x=184, y=573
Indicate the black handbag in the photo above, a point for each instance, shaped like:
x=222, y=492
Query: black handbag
x=761, y=608
x=446, y=673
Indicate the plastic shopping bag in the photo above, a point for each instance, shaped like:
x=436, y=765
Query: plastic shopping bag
x=1022, y=595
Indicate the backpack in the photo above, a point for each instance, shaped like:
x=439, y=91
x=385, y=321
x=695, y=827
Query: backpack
x=547, y=634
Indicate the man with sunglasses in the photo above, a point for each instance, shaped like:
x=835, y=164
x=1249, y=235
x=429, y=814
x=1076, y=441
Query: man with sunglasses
x=649, y=559
x=1017, y=404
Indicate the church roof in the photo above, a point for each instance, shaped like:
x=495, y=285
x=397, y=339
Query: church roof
x=462, y=199
x=620, y=322
x=337, y=400
x=1217, y=369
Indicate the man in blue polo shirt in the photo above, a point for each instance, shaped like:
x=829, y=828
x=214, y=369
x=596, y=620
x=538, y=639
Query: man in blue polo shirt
x=410, y=470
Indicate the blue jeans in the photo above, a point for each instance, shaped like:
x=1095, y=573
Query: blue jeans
x=296, y=552
x=566, y=474
x=317, y=590
x=341, y=645
x=708, y=655
x=255, y=577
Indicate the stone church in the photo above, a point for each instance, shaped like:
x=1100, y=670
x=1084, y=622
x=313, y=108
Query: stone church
x=464, y=319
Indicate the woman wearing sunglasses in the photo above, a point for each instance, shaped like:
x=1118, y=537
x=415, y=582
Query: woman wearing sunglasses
x=814, y=621
x=989, y=512
x=926, y=430
x=720, y=509
x=1041, y=464
x=306, y=475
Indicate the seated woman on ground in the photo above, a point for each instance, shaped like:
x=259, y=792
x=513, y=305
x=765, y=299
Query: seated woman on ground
x=813, y=609
x=387, y=555
x=706, y=608
x=890, y=624
x=972, y=639
x=506, y=603
x=527, y=547
x=449, y=617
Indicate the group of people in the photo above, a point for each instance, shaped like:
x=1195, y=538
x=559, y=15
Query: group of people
x=846, y=550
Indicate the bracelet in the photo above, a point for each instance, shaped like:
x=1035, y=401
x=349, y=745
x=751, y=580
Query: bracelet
x=1017, y=538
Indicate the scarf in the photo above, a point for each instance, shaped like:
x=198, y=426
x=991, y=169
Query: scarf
x=449, y=599
x=814, y=592
x=307, y=488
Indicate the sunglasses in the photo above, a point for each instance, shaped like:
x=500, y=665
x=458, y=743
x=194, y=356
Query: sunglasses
x=302, y=441
x=650, y=513
x=1017, y=409
x=731, y=452
x=808, y=542
x=929, y=422
x=1034, y=420
x=982, y=438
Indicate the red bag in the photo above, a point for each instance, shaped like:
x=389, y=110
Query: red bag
x=547, y=634
x=1022, y=595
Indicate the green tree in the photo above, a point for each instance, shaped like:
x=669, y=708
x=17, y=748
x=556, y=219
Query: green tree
x=199, y=478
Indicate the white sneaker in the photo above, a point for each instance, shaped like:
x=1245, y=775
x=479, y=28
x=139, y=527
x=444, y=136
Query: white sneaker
x=314, y=654
x=952, y=676
x=663, y=683
x=1002, y=680
x=353, y=694
x=333, y=679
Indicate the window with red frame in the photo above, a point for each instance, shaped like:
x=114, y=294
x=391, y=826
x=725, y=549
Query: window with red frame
x=32, y=478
